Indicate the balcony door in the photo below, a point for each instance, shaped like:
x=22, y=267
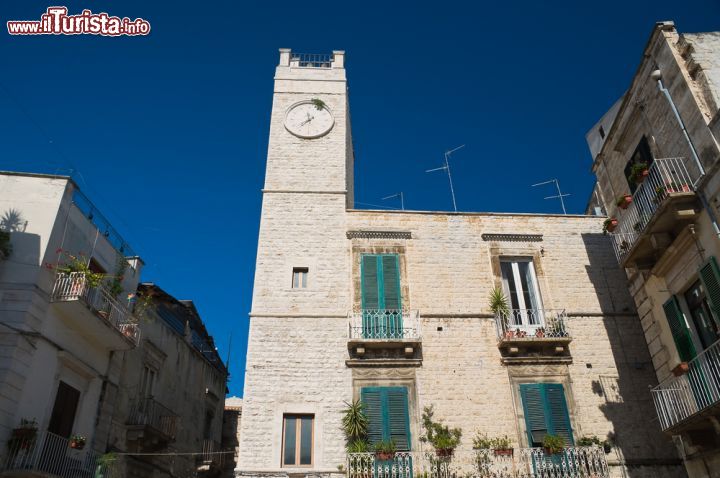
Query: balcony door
x=381, y=298
x=520, y=286
x=387, y=412
x=62, y=418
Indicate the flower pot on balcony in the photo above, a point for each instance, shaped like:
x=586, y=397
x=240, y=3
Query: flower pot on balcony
x=610, y=224
x=509, y=334
x=640, y=177
x=624, y=201
x=384, y=455
x=444, y=452
x=503, y=451
x=681, y=369
x=552, y=451
x=77, y=444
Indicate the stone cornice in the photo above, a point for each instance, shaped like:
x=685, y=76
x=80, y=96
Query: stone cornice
x=512, y=237
x=358, y=234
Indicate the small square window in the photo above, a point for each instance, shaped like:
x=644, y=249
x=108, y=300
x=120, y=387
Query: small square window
x=297, y=443
x=300, y=277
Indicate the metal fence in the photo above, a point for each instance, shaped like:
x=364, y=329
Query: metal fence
x=679, y=398
x=665, y=177
x=387, y=324
x=148, y=412
x=571, y=462
x=532, y=324
x=74, y=286
x=311, y=60
x=50, y=454
x=89, y=210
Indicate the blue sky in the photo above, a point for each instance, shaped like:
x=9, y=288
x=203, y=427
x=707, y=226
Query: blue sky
x=167, y=134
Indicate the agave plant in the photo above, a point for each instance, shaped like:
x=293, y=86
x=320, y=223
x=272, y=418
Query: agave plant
x=498, y=302
x=354, y=421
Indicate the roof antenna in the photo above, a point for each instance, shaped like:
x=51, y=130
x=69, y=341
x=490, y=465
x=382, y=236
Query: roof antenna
x=400, y=195
x=447, y=168
x=560, y=195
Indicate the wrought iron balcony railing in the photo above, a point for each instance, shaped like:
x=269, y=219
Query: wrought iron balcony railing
x=46, y=454
x=384, y=324
x=665, y=177
x=532, y=324
x=74, y=286
x=680, y=398
x=150, y=413
x=311, y=60
x=571, y=462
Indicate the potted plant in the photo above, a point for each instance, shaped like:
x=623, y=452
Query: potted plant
x=499, y=303
x=592, y=440
x=385, y=450
x=553, y=444
x=501, y=446
x=77, y=442
x=609, y=225
x=440, y=436
x=72, y=263
x=624, y=201
x=105, y=465
x=27, y=430
x=355, y=425
x=540, y=333
x=681, y=369
x=358, y=446
x=638, y=172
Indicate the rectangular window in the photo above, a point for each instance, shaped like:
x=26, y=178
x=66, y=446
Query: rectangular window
x=387, y=411
x=380, y=296
x=300, y=276
x=546, y=412
x=702, y=317
x=520, y=286
x=147, y=382
x=679, y=329
x=297, y=442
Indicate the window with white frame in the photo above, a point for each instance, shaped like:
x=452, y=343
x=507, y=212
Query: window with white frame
x=300, y=278
x=521, y=287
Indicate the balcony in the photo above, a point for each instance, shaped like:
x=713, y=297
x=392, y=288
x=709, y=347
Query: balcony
x=531, y=334
x=94, y=312
x=572, y=462
x=662, y=204
x=212, y=458
x=50, y=455
x=151, y=426
x=384, y=337
x=684, y=403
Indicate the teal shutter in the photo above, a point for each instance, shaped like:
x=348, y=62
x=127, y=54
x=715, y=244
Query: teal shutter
x=679, y=329
x=372, y=399
x=398, y=417
x=710, y=277
x=391, y=281
x=369, y=282
x=387, y=412
x=546, y=412
x=559, y=418
x=534, y=409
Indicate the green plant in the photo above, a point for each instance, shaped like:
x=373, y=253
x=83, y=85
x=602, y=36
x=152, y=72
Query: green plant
x=553, y=444
x=76, y=263
x=114, y=285
x=592, y=440
x=319, y=104
x=637, y=172
x=385, y=447
x=482, y=442
x=358, y=446
x=355, y=421
x=341, y=468
x=5, y=246
x=609, y=225
x=499, y=302
x=440, y=436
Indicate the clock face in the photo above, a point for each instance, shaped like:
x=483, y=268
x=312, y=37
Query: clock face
x=305, y=120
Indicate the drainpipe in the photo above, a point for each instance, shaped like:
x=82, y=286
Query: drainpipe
x=657, y=76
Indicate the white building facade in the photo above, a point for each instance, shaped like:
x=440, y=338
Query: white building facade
x=392, y=308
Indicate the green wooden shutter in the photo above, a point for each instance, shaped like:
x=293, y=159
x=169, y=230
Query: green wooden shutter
x=679, y=329
x=371, y=397
x=369, y=282
x=398, y=418
x=710, y=277
x=534, y=408
x=387, y=412
x=559, y=418
x=391, y=281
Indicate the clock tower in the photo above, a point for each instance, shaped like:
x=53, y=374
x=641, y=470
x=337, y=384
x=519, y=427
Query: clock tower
x=301, y=293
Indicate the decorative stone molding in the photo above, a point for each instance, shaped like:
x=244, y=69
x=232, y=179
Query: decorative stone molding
x=379, y=235
x=512, y=237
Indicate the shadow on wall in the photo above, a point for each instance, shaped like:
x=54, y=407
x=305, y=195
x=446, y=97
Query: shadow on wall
x=23, y=263
x=12, y=221
x=627, y=403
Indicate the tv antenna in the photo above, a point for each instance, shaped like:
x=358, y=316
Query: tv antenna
x=400, y=195
x=447, y=168
x=560, y=195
